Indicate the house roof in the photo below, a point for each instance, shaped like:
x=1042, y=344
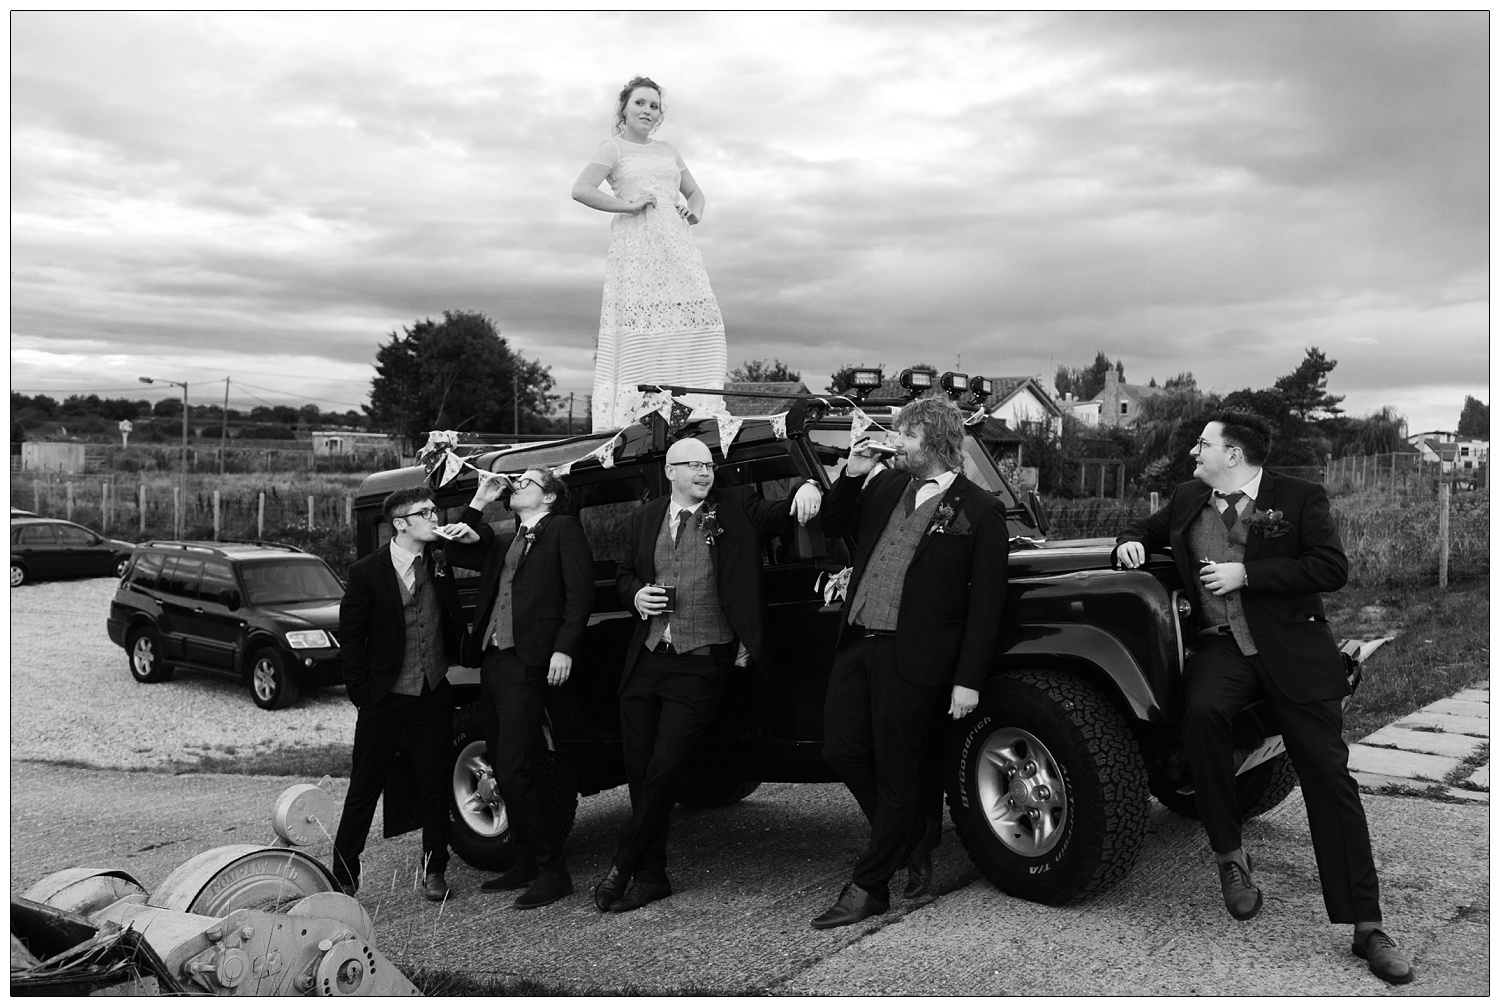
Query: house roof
x=1009, y=387
x=1134, y=392
x=771, y=397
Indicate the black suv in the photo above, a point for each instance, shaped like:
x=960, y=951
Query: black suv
x=256, y=610
x=1048, y=781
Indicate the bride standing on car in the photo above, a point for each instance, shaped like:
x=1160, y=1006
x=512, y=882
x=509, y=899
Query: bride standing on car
x=660, y=323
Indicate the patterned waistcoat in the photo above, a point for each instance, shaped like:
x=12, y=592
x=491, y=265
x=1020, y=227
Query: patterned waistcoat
x=424, y=657
x=688, y=564
x=1208, y=538
x=878, y=598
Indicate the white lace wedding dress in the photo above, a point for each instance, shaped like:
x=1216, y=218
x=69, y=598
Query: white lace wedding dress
x=659, y=323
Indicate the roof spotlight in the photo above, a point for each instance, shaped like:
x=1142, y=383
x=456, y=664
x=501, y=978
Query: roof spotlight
x=981, y=387
x=864, y=380
x=956, y=384
x=917, y=380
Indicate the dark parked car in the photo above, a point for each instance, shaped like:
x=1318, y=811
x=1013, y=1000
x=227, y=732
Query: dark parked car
x=262, y=612
x=1048, y=781
x=47, y=549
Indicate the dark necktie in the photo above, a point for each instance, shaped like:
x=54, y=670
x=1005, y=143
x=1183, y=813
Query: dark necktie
x=418, y=574
x=1230, y=514
x=682, y=520
x=916, y=487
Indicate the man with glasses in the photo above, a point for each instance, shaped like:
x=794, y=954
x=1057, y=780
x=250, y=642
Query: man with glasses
x=535, y=593
x=705, y=546
x=400, y=624
x=1257, y=548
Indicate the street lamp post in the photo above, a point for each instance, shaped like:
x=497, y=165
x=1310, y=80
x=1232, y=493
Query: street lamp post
x=182, y=505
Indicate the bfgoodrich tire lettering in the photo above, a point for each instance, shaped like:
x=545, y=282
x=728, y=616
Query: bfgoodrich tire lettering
x=1047, y=788
x=479, y=829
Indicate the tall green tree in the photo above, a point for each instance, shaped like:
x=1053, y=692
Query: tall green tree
x=1474, y=421
x=1382, y=432
x=1305, y=390
x=457, y=374
x=1086, y=382
x=760, y=370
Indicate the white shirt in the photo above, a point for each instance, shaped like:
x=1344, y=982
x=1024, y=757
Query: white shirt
x=402, y=561
x=935, y=487
x=1251, y=490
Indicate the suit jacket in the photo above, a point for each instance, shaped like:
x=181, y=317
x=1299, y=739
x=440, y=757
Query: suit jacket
x=748, y=521
x=1288, y=566
x=372, y=626
x=954, y=587
x=552, y=594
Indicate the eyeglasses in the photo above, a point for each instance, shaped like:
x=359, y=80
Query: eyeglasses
x=1213, y=444
x=695, y=467
x=525, y=481
x=429, y=513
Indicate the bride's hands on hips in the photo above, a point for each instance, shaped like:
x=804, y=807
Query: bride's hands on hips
x=640, y=203
x=686, y=214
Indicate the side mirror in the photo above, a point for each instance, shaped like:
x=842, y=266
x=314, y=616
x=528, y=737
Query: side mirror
x=1038, y=511
x=229, y=598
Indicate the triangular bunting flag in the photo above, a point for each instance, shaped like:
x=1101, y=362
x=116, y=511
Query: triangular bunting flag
x=729, y=428
x=678, y=416
x=976, y=419
x=561, y=471
x=859, y=422
x=778, y=426
x=451, y=467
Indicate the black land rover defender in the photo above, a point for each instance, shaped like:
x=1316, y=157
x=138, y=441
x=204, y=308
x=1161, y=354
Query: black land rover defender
x=1048, y=781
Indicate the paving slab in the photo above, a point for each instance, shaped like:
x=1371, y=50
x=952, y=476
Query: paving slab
x=1459, y=708
x=1446, y=722
x=1481, y=777
x=1457, y=746
x=1394, y=762
x=1377, y=781
x=1477, y=694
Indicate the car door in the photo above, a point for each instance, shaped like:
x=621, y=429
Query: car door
x=81, y=552
x=177, y=590
x=36, y=546
x=210, y=631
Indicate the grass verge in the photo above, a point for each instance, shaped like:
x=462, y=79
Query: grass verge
x=447, y=982
x=1442, y=645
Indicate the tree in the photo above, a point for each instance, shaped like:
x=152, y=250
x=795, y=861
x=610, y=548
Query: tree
x=1306, y=388
x=1086, y=382
x=1474, y=421
x=457, y=374
x=1380, y=433
x=1165, y=429
x=759, y=370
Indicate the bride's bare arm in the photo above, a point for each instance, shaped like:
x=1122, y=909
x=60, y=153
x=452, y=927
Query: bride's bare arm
x=586, y=190
x=689, y=187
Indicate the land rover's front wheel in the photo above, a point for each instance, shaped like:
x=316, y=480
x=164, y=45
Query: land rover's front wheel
x=1047, y=788
x=479, y=830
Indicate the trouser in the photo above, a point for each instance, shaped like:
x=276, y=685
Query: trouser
x=666, y=708
x=423, y=725
x=513, y=700
x=877, y=735
x=1220, y=682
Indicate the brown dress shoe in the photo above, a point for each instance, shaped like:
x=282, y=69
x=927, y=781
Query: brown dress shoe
x=1386, y=960
x=435, y=888
x=854, y=904
x=1241, y=897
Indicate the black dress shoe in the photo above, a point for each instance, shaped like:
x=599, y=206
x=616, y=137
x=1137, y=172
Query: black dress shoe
x=919, y=861
x=435, y=887
x=641, y=893
x=521, y=874
x=854, y=904
x=609, y=889
x=1386, y=960
x=548, y=887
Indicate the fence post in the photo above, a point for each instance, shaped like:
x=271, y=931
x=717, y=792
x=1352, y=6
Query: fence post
x=141, y=507
x=1393, y=473
x=70, y=501
x=216, y=515
x=310, y=512
x=1155, y=501
x=104, y=506
x=260, y=516
x=1445, y=490
x=348, y=511
x=36, y=495
x=177, y=503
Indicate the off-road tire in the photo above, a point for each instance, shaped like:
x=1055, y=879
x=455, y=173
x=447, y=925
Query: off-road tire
x=271, y=684
x=143, y=651
x=1091, y=817
x=1258, y=789
x=492, y=848
x=714, y=793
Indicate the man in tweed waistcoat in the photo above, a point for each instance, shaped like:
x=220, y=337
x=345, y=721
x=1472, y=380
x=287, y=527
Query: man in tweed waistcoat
x=708, y=546
x=400, y=623
x=1257, y=548
x=916, y=637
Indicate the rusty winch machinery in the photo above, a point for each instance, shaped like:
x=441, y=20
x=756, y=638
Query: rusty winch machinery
x=242, y=920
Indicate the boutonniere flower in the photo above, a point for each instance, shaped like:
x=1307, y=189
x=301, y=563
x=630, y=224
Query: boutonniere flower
x=947, y=521
x=439, y=563
x=1270, y=524
x=836, y=585
x=708, y=520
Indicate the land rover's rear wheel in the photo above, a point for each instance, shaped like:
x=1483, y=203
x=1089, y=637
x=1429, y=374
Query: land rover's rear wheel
x=480, y=831
x=1258, y=789
x=1047, y=788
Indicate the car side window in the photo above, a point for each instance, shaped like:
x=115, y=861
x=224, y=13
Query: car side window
x=182, y=576
x=38, y=534
x=146, y=569
x=68, y=534
x=217, y=576
x=604, y=510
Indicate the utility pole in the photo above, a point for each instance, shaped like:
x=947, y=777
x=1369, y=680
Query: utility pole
x=224, y=426
x=182, y=504
x=515, y=400
x=570, y=412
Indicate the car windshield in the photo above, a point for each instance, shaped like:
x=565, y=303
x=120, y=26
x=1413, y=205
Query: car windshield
x=291, y=581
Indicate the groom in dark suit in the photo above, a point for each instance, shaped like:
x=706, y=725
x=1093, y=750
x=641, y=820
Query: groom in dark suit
x=1258, y=548
x=400, y=624
x=707, y=546
x=535, y=593
x=917, y=634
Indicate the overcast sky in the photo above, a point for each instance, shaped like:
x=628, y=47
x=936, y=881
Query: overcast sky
x=269, y=196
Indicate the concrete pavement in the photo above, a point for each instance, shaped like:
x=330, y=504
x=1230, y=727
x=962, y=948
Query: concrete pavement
x=1442, y=750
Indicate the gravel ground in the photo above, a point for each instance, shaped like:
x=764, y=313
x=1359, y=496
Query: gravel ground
x=59, y=651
